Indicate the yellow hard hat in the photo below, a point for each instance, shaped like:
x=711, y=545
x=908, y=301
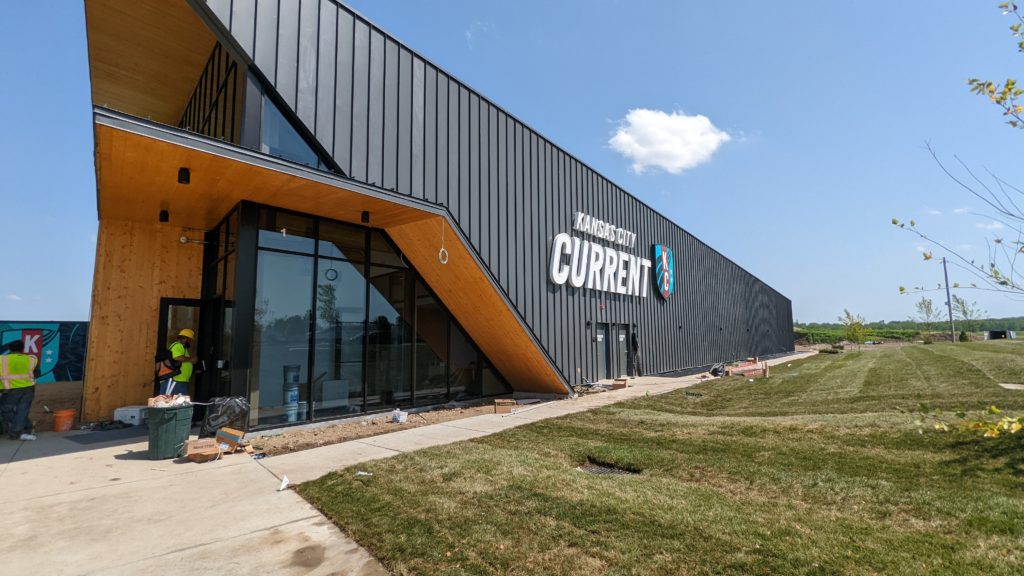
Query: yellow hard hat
x=187, y=333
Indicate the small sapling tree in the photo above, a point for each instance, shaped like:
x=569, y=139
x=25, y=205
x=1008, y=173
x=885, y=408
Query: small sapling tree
x=853, y=327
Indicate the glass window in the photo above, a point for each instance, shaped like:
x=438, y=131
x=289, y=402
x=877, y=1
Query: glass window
x=223, y=367
x=491, y=383
x=218, y=287
x=279, y=385
x=381, y=251
x=279, y=138
x=389, y=345
x=231, y=234
x=229, y=280
x=339, y=240
x=334, y=335
x=338, y=348
x=462, y=380
x=222, y=238
x=286, y=231
x=431, y=348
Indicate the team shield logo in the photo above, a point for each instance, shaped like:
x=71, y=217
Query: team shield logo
x=664, y=270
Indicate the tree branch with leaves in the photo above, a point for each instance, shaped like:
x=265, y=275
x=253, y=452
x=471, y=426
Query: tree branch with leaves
x=1006, y=95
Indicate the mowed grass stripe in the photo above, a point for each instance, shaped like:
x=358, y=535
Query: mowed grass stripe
x=998, y=360
x=728, y=486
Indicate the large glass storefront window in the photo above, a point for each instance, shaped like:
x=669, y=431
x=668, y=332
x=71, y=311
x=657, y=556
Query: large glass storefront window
x=462, y=374
x=388, y=341
x=431, y=348
x=280, y=344
x=339, y=339
x=340, y=323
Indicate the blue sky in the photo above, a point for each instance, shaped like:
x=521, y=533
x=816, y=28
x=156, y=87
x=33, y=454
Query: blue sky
x=827, y=108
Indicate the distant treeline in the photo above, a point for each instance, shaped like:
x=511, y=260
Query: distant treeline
x=834, y=332
x=1015, y=323
x=826, y=335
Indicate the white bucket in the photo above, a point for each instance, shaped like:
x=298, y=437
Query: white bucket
x=291, y=400
x=291, y=391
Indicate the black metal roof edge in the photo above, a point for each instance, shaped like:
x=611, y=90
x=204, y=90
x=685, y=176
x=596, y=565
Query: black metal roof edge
x=200, y=143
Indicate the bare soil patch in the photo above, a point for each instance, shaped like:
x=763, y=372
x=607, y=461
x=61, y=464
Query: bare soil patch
x=306, y=438
x=55, y=396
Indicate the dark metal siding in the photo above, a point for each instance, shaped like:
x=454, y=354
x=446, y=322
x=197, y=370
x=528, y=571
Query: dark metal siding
x=392, y=119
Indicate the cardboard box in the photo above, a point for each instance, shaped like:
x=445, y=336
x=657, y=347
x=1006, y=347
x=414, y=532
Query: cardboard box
x=229, y=436
x=620, y=383
x=202, y=450
x=504, y=406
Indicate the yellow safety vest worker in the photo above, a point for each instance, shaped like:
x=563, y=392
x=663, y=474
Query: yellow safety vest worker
x=18, y=370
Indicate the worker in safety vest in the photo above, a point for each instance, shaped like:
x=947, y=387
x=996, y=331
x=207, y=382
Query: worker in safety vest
x=179, y=352
x=17, y=371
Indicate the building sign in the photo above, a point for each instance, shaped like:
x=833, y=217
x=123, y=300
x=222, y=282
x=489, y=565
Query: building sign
x=586, y=264
x=664, y=270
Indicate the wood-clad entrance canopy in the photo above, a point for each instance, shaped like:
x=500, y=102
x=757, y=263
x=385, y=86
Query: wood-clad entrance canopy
x=145, y=55
x=137, y=177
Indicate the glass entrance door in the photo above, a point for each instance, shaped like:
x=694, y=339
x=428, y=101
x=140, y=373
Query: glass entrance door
x=603, y=341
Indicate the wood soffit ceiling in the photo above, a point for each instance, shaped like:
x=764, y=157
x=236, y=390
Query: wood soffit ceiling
x=145, y=56
x=137, y=177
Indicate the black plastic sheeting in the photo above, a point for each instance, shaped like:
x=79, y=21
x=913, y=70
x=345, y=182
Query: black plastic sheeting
x=224, y=411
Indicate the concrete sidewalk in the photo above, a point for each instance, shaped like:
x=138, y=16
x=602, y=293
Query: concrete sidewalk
x=106, y=509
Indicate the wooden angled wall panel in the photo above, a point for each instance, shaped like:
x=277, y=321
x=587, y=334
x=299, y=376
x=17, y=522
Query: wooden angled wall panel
x=477, y=305
x=136, y=265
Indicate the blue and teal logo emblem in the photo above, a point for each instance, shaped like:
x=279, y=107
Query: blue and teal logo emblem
x=664, y=271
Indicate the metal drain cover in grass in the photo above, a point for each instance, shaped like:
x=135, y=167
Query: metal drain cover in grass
x=605, y=469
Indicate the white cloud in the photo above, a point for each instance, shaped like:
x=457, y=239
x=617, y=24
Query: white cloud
x=672, y=141
x=14, y=297
x=475, y=30
x=993, y=225
x=961, y=211
x=935, y=212
x=964, y=247
x=919, y=247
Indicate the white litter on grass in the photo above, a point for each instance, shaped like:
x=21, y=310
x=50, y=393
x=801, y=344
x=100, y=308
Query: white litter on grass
x=361, y=473
x=1012, y=386
x=284, y=484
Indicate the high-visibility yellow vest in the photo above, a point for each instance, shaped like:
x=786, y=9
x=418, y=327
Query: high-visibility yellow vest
x=177, y=351
x=17, y=370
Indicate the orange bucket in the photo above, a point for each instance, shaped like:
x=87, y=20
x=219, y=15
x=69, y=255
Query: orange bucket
x=63, y=419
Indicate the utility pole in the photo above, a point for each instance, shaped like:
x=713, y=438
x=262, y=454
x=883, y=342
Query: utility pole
x=949, y=303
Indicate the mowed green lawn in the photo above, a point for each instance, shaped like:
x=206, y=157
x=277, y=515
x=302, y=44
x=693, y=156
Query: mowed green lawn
x=812, y=471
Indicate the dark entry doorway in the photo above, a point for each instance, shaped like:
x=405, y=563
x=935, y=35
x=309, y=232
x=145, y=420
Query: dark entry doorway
x=612, y=350
x=176, y=314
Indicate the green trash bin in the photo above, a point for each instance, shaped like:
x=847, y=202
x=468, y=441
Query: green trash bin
x=168, y=431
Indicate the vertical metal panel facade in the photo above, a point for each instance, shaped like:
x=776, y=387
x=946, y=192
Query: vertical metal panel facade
x=394, y=120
